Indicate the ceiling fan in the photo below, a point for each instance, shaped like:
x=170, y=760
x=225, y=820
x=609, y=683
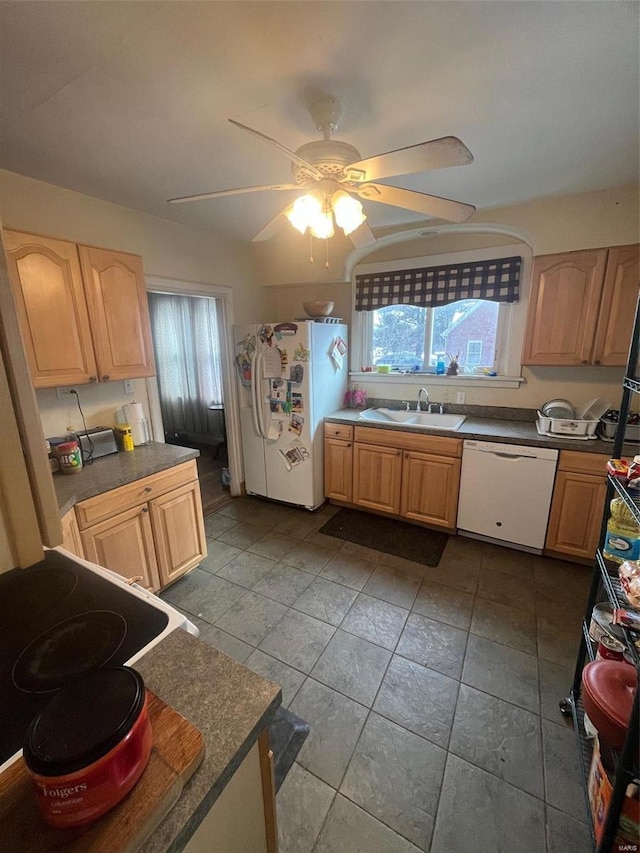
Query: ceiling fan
x=334, y=172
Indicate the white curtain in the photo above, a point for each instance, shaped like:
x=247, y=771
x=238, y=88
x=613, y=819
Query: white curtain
x=187, y=348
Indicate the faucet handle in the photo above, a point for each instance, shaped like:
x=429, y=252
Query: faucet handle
x=441, y=409
x=406, y=405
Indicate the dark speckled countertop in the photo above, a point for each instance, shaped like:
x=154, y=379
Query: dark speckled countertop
x=109, y=472
x=490, y=429
x=227, y=702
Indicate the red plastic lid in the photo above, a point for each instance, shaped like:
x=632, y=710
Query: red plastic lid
x=67, y=446
x=609, y=687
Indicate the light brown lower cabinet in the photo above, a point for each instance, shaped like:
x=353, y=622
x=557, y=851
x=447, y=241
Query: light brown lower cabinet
x=71, y=539
x=402, y=474
x=152, y=528
x=577, y=505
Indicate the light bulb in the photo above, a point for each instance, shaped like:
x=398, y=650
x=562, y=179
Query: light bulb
x=304, y=212
x=348, y=211
x=322, y=225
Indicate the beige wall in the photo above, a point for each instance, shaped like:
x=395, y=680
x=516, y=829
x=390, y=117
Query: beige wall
x=557, y=224
x=168, y=249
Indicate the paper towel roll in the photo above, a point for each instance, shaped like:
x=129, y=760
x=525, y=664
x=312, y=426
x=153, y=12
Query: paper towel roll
x=134, y=416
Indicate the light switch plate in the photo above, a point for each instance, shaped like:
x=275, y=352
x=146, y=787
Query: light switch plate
x=460, y=397
x=129, y=386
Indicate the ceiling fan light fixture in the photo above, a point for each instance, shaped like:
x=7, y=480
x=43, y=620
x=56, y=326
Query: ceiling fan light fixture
x=348, y=211
x=322, y=225
x=304, y=211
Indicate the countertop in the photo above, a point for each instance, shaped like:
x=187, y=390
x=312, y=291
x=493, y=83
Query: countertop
x=490, y=429
x=118, y=469
x=228, y=703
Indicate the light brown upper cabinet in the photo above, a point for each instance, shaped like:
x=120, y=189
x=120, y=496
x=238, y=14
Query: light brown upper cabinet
x=581, y=307
x=83, y=311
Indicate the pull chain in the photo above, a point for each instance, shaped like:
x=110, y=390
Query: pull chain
x=326, y=256
x=310, y=247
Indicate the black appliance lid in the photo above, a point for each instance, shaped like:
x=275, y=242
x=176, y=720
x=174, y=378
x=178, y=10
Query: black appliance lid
x=84, y=721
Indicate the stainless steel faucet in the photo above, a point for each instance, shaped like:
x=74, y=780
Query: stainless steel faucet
x=426, y=396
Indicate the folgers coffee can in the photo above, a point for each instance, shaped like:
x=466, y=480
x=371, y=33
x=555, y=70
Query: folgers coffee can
x=609, y=649
x=89, y=746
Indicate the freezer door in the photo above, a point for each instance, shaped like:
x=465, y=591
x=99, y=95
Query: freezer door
x=255, y=474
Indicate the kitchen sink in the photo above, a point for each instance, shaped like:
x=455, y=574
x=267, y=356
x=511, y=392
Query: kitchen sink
x=425, y=420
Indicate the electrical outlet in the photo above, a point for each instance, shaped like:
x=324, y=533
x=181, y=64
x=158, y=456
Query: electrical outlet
x=460, y=397
x=64, y=391
x=129, y=386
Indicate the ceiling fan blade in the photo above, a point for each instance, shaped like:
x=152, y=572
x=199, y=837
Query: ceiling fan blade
x=431, y=205
x=290, y=154
x=436, y=154
x=237, y=191
x=273, y=226
x=362, y=236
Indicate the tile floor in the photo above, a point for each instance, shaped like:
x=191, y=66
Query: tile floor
x=431, y=693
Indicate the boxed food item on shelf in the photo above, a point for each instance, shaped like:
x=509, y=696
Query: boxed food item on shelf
x=600, y=790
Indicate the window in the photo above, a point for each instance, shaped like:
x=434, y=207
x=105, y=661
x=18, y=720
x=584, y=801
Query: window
x=410, y=337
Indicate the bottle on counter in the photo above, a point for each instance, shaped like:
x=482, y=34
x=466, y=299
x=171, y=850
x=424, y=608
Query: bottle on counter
x=69, y=454
x=622, y=541
x=124, y=436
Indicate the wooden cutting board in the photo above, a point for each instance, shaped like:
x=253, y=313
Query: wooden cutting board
x=178, y=749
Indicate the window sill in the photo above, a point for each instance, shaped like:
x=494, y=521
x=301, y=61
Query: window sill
x=475, y=381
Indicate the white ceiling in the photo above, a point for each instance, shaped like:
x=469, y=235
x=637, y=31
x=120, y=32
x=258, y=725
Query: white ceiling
x=129, y=101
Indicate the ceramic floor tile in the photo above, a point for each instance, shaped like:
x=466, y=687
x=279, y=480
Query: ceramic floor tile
x=555, y=684
x=352, y=666
x=349, y=571
x=501, y=623
x=302, y=805
x=433, y=644
x=419, y=699
x=252, y=617
x=219, y=554
x=247, y=569
x=444, y=604
x=283, y=584
x=331, y=543
x=349, y=829
x=275, y=546
x=326, y=600
x=241, y=535
x=289, y=679
x=216, y=524
x=361, y=551
x=203, y=595
x=558, y=636
x=499, y=737
x=222, y=641
x=308, y=557
x=503, y=672
x=479, y=812
x=335, y=723
x=563, y=773
x=299, y=525
x=566, y=835
x=393, y=561
x=396, y=776
x=248, y=510
x=506, y=589
x=393, y=585
x=298, y=640
x=499, y=558
x=375, y=620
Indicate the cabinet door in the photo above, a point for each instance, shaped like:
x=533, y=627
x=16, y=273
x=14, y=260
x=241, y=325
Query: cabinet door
x=71, y=539
x=178, y=531
x=117, y=303
x=52, y=310
x=576, y=515
x=617, y=309
x=563, y=308
x=124, y=544
x=377, y=473
x=430, y=487
x=338, y=469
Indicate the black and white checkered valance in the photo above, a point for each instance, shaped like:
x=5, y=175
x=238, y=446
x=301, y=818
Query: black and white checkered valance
x=497, y=281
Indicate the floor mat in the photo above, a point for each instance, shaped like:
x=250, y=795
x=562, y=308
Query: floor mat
x=389, y=535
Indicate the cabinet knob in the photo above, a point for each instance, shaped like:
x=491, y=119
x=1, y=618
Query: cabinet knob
x=584, y=361
x=406, y=455
x=105, y=378
x=398, y=453
x=145, y=509
x=148, y=489
x=93, y=379
x=348, y=444
x=597, y=361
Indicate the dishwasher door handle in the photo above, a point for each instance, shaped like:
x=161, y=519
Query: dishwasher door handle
x=512, y=455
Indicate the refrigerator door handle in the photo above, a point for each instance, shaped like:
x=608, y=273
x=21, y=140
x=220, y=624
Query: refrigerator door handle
x=254, y=395
x=258, y=409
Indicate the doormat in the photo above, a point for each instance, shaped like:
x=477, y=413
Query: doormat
x=398, y=538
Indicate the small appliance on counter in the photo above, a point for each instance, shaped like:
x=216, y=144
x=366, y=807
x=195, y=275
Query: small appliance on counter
x=96, y=442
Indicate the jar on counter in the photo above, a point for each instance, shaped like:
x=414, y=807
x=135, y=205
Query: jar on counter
x=69, y=457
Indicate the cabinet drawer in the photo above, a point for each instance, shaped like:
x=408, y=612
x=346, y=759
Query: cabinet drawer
x=140, y=491
x=583, y=463
x=338, y=431
x=409, y=441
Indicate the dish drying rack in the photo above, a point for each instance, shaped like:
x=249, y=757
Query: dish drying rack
x=333, y=320
x=582, y=430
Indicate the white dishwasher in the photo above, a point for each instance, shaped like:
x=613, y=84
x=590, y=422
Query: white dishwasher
x=505, y=492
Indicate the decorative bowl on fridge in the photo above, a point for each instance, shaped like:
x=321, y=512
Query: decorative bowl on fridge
x=318, y=309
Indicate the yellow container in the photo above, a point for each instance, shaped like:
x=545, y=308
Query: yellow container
x=384, y=368
x=123, y=436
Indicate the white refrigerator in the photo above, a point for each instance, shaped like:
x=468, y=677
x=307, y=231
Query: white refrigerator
x=290, y=376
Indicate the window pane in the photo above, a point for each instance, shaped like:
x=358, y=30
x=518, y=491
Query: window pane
x=466, y=329
x=398, y=336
